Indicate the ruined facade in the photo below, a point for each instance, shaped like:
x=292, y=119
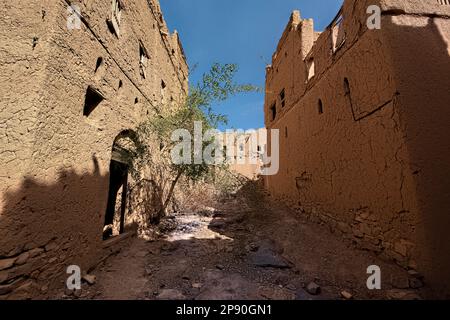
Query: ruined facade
x=364, y=124
x=246, y=153
x=75, y=82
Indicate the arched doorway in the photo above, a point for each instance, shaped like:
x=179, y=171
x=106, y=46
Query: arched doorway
x=122, y=153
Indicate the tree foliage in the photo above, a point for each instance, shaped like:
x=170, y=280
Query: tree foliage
x=215, y=86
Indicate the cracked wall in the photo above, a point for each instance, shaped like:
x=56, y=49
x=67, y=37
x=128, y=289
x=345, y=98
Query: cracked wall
x=244, y=150
x=367, y=149
x=55, y=161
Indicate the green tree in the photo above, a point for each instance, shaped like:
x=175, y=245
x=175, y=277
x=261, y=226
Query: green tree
x=215, y=86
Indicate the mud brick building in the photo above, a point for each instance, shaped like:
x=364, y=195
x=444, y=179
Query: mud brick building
x=364, y=125
x=71, y=96
x=245, y=151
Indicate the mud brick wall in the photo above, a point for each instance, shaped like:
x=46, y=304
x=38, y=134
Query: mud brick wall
x=54, y=165
x=364, y=129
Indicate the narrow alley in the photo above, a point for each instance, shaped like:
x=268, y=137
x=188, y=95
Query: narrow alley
x=290, y=150
x=243, y=250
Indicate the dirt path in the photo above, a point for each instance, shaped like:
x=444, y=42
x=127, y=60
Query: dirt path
x=246, y=251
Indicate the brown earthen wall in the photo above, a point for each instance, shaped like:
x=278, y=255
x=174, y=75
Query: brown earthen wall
x=55, y=161
x=373, y=162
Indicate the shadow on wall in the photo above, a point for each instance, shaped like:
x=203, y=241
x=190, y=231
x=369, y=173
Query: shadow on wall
x=45, y=228
x=144, y=203
x=421, y=55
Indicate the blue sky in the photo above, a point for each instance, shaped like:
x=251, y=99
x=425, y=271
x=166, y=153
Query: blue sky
x=244, y=32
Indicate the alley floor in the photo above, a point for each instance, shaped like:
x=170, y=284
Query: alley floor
x=248, y=248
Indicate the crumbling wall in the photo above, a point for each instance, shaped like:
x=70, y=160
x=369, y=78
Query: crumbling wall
x=54, y=190
x=244, y=150
x=419, y=40
x=353, y=142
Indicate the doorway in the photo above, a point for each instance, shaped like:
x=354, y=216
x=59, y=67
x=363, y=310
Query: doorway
x=118, y=181
x=123, y=151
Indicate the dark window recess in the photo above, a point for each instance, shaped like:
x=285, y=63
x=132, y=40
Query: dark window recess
x=259, y=148
x=136, y=101
x=338, y=33
x=320, y=106
x=35, y=42
x=143, y=61
x=286, y=132
x=114, y=21
x=346, y=87
x=120, y=84
x=163, y=84
x=110, y=26
x=98, y=64
x=92, y=100
x=311, y=68
x=273, y=109
x=348, y=96
x=283, y=98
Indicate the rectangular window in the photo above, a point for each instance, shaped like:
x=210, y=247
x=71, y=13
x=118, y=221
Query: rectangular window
x=143, y=61
x=311, y=68
x=320, y=107
x=92, y=100
x=338, y=33
x=273, y=110
x=116, y=16
x=283, y=98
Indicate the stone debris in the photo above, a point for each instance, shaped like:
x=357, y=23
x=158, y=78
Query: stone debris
x=90, y=279
x=274, y=293
x=346, y=295
x=141, y=254
x=267, y=258
x=22, y=259
x=262, y=265
x=78, y=293
x=170, y=247
x=291, y=287
x=4, y=275
x=72, y=294
x=252, y=247
x=7, y=263
x=301, y=294
x=415, y=283
x=218, y=224
x=170, y=294
x=415, y=274
x=148, y=271
x=313, y=288
x=397, y=294
x=207, y=212
x=197, y=285
x=401, y=282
